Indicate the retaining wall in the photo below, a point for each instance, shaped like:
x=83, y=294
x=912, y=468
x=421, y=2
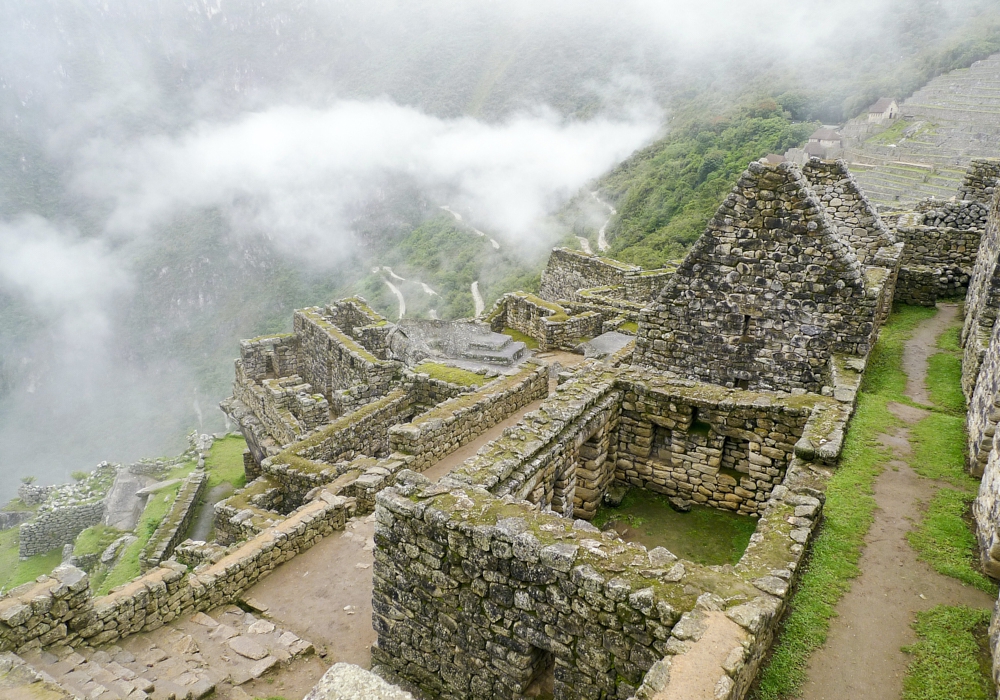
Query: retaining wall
x=55, y=528
x=570, y=270
x=62, y=610
x=453, y=423
x=174, y=525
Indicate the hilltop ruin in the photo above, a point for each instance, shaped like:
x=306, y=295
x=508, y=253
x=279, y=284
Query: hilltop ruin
x=726, y=381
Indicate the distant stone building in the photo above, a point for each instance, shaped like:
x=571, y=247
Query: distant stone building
x=883, y=109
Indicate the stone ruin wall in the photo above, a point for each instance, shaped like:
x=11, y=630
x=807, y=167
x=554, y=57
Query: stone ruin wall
x=847, y=208
x=61, y=609
x=546, y=322
x=332, y=362
x=475, y=589
x=732, y=463
x=359, y=454
x=982, y=301
x=55, y=528
x=456, y=422
x=766, y=296
x=569, y=270
x=980, y=180
x=174, y=525
x=936, y=263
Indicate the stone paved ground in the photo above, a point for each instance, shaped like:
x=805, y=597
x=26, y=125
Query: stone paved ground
x=190, y=658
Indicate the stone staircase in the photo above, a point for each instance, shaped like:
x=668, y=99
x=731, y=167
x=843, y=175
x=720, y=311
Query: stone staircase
x=191, y=659
x=495, y=348
x=959, y=118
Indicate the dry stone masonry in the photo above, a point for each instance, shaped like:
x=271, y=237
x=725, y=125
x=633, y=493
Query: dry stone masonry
x=492, y=582
x=767, y=295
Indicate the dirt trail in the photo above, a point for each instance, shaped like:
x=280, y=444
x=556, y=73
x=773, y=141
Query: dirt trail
x=921, y=346
x=862, y=657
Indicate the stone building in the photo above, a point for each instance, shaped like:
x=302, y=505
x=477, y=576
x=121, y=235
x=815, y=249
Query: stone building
x=768, y=296
x=883, y=109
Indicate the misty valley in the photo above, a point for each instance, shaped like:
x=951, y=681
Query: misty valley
x=635, y=350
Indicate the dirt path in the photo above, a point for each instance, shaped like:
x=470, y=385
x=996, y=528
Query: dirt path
x=862, y=657
x=921, y=346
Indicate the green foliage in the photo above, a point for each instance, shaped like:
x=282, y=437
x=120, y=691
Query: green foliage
x=949, y=658
x=79, y=475
x=452, y=375
x=95, y=539
x=848, y=512
x=667, y=192
x=28, y=479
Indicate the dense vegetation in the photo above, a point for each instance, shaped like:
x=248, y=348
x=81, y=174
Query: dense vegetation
x=667, y=192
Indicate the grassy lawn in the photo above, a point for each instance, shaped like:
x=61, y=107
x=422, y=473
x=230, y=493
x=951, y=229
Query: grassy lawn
x=948, y=661
x=14, y=572
x=848, y=513
x=518, y=336
x=95, y=539
x=444, y=373
x=225, y=462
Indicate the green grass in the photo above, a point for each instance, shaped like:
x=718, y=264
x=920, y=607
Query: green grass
x=225, y=462
x=452, y=375
x=95, y=539
x=943, y=537
x=704, y=535
x=945, y=541
x=128, y=567
x=629, y=327
x=944, y=382
x=948, y=662
x=518, y=336
x=14, y=572
x=848, y=513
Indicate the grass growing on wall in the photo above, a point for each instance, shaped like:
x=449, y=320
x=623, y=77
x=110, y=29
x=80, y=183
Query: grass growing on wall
x=948, y=661
x=848, y=513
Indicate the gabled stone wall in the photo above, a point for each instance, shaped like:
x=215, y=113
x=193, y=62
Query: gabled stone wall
x=331, y=361
x=847, y=208
x=980, y=182
x=766, y=295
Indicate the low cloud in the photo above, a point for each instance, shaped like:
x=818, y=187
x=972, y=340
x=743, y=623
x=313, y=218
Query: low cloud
x=66, y=279
x=293, y=172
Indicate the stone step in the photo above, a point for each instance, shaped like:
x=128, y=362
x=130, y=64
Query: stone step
x=510, y=354
x=493, y=342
